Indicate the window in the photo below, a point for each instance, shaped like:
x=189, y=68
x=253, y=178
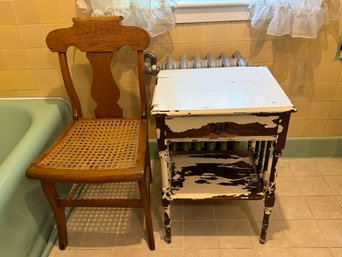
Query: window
x=188, y=11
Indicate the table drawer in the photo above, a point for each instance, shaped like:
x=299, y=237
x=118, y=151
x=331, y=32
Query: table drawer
x=221, y=126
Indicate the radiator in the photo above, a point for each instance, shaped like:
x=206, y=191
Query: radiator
x=209, y=62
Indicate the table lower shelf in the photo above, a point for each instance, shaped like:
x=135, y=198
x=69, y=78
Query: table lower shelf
x=229, y=175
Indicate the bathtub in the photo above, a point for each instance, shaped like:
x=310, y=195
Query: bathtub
x=27, y=127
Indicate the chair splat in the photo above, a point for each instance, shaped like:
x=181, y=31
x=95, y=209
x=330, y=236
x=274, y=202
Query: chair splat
x=103, y=81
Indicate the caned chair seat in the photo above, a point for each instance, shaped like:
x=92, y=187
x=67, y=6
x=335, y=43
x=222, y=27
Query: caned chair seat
x=109, y=148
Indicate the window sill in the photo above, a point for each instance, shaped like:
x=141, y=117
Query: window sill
x=202, y=11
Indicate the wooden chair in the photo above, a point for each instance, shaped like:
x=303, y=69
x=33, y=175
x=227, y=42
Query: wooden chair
x=104, y=149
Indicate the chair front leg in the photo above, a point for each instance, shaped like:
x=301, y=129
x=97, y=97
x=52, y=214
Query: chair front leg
x=147, y=212
x=51, y=194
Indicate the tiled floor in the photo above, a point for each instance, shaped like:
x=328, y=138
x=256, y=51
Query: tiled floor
x=306, y=221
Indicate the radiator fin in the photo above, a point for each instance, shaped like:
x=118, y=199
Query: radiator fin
x=209, y=62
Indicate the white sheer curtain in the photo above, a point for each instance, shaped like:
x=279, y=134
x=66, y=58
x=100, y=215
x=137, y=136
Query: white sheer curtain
x=299, y=18
x=155, y=16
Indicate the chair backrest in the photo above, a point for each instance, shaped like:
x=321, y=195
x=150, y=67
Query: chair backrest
x=99, y=37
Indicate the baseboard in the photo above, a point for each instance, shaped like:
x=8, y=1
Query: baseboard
x=296, y=147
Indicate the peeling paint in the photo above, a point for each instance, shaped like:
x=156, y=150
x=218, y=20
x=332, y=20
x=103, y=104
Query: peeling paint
x=185, y=114
x=166, y=195
x=267, y=210
x=165, y=162
x=181, y=124
x=280, y=128
x=208, y=176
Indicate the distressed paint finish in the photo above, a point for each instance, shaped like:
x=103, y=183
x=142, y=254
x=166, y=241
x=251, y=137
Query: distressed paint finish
x=166, y=192
x=239, y=175
x=164, y=155
x=218, y=106
x=161, y=134
x=215, y=175
x=166, y=203
x=270, y=184
x=220, y=126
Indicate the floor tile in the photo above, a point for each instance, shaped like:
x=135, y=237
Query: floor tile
x=304, y=233
x=67, y=253
x=77, y=225
x=234, y=234
x=329, y=166
x=75, y=239
x=165, y=253
x=229, y=210
x=336, y=252
x=198, y=210
x=335, y=184
x=177, y=232
x=128, y=215
x=292, y=208
x=95, y=252
x=200, y=234
x=101, y=228
x=177, y=210
x=275, y=252
x=303, y=167
x=332, y=231
x=130, y=252
x=324, y=207
x=157, y=209
x=131, y=235
x=255, y=210
x=237, y=253
x=312, y=252
x=339, y=199
x=313, y=185
x=287, y=186
x=156, y=188
x=284, y=168
x=98, y=239
x=201, y=253
x=276, y=236
x=78, y=219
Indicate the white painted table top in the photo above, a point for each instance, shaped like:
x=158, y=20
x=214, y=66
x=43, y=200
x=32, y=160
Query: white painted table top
x=215, y=91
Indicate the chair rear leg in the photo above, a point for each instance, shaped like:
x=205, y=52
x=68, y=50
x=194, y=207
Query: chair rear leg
x=147, y=211
x=148, y=163
x=52, y=196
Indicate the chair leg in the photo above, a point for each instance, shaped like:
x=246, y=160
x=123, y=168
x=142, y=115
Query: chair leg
x=148, y=163
x=149, y=174
x=52, y=196
x=147, y=212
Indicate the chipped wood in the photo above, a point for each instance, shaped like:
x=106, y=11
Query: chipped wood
x=218, y=126
x=202, y=176
x=218, y=118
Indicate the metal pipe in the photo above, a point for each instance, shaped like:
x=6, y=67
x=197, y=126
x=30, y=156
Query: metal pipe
x=150, y=63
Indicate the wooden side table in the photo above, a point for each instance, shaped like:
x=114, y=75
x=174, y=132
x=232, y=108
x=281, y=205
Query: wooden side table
x=220, y=105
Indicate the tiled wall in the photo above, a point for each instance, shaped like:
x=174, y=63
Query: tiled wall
x=306, y=69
